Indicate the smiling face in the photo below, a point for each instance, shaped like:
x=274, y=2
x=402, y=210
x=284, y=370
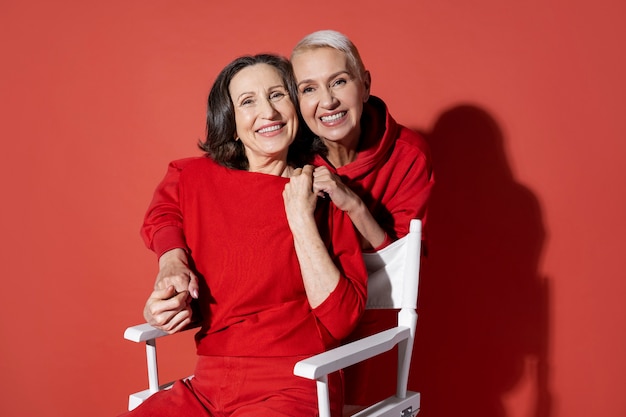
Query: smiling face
x=265, y=116
x=331, y=94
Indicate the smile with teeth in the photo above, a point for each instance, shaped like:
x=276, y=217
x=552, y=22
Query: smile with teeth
x=270, y=128
x=333, y=118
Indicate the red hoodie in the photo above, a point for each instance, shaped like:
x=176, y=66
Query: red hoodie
x=392, y=172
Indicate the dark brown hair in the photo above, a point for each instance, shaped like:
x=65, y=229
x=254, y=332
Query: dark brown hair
x=220, y=121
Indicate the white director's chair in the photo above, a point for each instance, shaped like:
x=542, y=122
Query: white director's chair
x=393, y=280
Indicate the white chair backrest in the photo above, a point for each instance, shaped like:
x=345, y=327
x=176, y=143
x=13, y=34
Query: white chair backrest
x=394, y=272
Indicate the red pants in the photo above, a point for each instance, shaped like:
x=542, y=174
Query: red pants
x=241, y=387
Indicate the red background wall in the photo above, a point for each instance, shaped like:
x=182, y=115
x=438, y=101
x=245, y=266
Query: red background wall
x=521, y=303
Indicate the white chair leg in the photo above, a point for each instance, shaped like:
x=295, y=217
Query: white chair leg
x=153, y=373
x=323, y=396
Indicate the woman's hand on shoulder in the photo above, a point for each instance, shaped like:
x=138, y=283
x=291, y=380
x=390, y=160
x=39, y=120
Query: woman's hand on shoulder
x=298, y=196
x=328, y=183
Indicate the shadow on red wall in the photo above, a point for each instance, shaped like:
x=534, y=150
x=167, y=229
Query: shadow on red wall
x=483, y=306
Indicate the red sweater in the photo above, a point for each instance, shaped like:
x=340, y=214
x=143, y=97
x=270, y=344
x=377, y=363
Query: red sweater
x=252, y=295
x=392, y=173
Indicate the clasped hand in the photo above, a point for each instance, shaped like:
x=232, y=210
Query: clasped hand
x=169, y=306
x=327, y=183
x=298, y=196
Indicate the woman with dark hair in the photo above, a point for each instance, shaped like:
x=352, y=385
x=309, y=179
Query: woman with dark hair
x=276, y=273
x=221, y=124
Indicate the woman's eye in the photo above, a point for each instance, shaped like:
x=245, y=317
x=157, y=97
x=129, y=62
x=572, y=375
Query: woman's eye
x=306, y=90
x=246, y=102
x=277, y=95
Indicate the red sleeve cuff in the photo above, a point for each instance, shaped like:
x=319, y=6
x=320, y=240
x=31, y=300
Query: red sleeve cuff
x=340, y=312
x=168, y=238
x=388, y=241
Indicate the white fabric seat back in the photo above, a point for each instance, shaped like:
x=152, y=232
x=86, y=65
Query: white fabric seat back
x=387, y=286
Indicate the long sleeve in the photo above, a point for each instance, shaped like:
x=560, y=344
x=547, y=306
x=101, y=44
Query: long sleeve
x=338, y=315
x=162, y=229
x=412, y=184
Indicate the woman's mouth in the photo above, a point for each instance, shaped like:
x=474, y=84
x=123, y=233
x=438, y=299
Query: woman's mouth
x=333, y=117
x=269, y=129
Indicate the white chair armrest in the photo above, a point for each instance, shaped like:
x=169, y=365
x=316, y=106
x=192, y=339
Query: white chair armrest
x=345, y=355
x=144, y=332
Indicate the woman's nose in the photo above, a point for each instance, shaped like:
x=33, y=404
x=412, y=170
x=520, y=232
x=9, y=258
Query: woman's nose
x=268, y=110
x=328, y=100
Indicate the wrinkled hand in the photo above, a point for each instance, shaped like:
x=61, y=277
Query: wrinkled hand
x=168, y=310
x=174, y=271
x=298, y=196
x=169, y=306
x=326, y=182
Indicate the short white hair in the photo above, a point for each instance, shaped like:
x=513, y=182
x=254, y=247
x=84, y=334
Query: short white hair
x=335, y=40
